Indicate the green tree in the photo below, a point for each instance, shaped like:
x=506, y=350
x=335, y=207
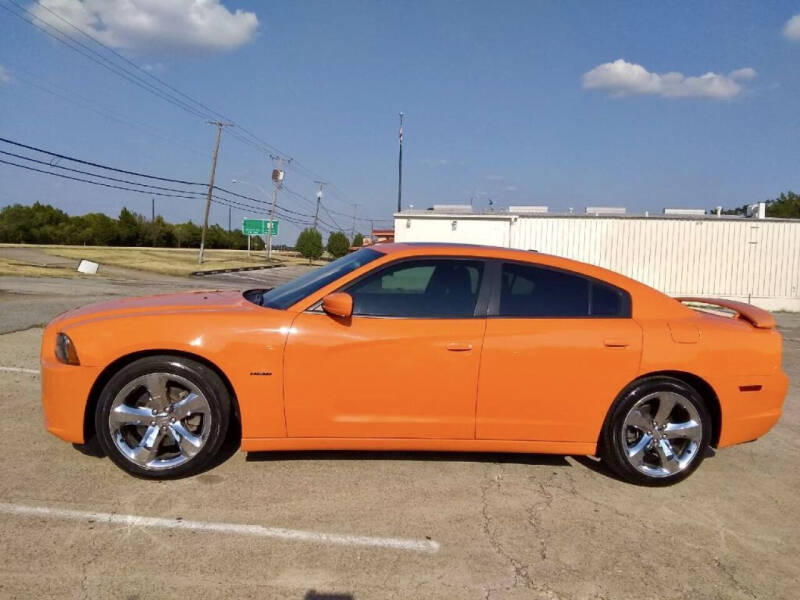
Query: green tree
x=786, y=206
x=309, y=244
x=338, y=244
x=358, y=240
x=187, y=235
x=129, y=227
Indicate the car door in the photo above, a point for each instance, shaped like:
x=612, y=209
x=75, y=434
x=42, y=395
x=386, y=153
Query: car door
x=405, y=365
x=558, y=349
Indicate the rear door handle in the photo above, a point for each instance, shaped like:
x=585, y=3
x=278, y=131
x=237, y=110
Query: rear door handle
x=459, y=346
x=616, y=343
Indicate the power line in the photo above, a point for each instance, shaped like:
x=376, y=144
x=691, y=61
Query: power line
x=108, y=185
x=97, y=109
x=128, y=181
x=284, y=212
x=101, y=60
x=190, y=104
x=97, y=165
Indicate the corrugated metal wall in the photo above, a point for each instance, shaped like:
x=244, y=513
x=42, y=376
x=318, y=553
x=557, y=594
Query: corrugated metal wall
x=749, y=259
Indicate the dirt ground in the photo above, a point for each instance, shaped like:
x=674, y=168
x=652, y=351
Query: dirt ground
x=469, y=526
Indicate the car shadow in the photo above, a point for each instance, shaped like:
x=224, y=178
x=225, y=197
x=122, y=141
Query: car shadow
x=553, y=460
x=315, y=595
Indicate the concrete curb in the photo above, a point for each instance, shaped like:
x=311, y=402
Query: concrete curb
x=235, y=270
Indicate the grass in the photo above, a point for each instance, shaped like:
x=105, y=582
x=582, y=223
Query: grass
x=171, y=261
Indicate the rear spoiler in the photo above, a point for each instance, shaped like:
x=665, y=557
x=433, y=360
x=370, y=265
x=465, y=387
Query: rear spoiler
x=754, y=315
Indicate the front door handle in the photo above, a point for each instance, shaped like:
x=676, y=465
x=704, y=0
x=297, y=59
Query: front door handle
x=616, y=343
x=459, y=346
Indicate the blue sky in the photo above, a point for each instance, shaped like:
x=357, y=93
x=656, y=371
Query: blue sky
x=566, y=104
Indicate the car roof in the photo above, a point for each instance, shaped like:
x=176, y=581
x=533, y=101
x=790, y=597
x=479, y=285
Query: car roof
x=448, y=248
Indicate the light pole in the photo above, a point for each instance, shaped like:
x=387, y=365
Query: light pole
x=277, y=182
x=400, y=167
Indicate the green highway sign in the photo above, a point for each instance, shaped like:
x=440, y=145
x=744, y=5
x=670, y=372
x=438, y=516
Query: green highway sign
x=259, y=227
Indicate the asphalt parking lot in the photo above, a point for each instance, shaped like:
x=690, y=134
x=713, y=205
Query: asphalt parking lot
x=355, y=525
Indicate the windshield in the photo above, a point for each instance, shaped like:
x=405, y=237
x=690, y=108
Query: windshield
x=283, y=296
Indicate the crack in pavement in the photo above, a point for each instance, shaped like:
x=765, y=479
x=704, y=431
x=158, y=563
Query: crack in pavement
x=520, y=571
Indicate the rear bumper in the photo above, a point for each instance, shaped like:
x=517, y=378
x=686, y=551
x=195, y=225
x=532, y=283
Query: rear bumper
x=65, y=392
x=748, y=412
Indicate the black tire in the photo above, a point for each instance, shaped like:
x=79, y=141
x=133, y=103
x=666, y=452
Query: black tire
x=617, y=436
x=214, y=418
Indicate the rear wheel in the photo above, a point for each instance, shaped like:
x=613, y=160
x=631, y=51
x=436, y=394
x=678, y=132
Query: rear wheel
x=163, y=416
x=656, y=432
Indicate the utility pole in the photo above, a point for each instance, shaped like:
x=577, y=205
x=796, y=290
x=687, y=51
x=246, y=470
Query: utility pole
x=400, y=168
x=153, y=209
x=219, y=125
x=277, y=180
x=229, y=219
x=353, y=229
x=319, y=201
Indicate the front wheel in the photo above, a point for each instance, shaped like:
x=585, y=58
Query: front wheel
x=656, y=432
x=162, y=417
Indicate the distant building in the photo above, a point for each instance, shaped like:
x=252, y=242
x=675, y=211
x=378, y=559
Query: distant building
x=754, y=259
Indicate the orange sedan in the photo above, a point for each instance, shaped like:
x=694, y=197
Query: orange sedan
x=418, y=347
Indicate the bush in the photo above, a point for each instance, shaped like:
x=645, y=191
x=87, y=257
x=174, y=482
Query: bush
x=358, y=240
x=309, y=244
x=338, y=244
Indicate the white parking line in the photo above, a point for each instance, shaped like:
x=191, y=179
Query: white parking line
x=20, y=370
x=230, y=528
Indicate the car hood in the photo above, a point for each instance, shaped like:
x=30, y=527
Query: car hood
x=213, y=300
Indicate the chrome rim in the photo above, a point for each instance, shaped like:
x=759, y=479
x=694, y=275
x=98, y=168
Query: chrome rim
x=160, y=421
x=661, y=434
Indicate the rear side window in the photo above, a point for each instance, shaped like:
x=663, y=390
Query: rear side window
x=424, y=288
x=533, y=291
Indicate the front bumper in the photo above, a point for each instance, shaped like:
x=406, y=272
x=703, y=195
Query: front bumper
x=65, y=393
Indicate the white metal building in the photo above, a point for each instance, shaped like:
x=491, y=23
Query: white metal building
x=756, y=260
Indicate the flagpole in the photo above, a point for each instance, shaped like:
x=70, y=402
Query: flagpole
x=400, y=168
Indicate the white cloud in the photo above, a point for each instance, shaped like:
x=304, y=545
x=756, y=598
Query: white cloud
x=187, y=26
x=5, y=76
x=511, y=188
x=791, y=31
x=621, y=78
x=745, y=73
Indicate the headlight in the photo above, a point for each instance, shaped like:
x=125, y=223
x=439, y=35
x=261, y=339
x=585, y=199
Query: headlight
x=65, y=350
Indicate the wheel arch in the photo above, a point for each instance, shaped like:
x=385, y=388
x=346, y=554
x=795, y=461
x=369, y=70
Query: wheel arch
x=702, y=387
x=122, y=361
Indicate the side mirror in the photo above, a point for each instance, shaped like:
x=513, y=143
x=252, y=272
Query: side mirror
x=339, y=304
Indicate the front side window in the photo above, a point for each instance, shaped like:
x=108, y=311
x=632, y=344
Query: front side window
x=535, y=291
x=284, y=296
x=423, y=288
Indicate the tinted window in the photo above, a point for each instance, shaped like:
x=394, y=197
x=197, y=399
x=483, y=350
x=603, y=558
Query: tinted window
x=608, y=301
x=528, y=291
x=285, y=295
x=420, y=288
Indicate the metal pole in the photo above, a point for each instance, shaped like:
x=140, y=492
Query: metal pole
x=269, y=225
x=400, y=168
x=319, y=201
x=276, y=185
x=353, y=228
x=219, y=125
